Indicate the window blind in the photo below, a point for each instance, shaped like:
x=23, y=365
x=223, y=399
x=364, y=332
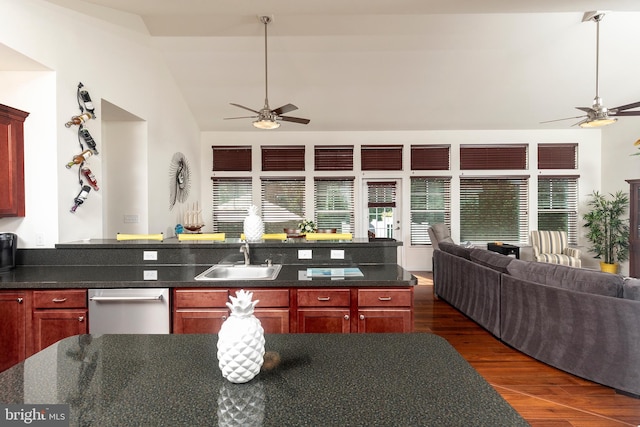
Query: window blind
x=334, y=203
x=231, y=158
x=381, y=157
x=382, y=194
x=333, y=158
x=558, y=205
x=557, y=156
x=430, y=204
x=283, y=203
x=494, y=209
x=430, y=157
x=231, y=199
x=283, y=158
x=493, y=157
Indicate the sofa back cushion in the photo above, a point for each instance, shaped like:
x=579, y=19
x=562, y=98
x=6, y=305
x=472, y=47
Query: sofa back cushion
x=631, y=289
x=572, y=278
x=491, y=259
x=456, y=250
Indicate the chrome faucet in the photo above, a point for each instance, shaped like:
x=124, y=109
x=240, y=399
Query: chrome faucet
x=245, y=250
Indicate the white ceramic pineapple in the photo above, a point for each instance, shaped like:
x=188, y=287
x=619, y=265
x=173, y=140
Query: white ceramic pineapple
x=253, y=225
x=241, y=340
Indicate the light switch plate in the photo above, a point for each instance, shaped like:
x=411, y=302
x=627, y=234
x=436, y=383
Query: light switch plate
x=305, y=254
x=150, y=274
x=150, y=255
x=337, y=253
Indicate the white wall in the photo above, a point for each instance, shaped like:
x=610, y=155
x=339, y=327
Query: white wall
x=114, y=62
x=414, y=257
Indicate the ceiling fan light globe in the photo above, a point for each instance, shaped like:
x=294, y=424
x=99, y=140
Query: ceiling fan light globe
x=266, y=124
x=598, y=123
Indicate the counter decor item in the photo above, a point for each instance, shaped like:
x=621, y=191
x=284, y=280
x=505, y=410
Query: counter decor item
x=307, y=226
x=193, y=218
x=608, y=231
x=241, y=340
x=253, y=225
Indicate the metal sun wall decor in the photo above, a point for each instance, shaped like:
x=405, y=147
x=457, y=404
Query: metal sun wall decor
x=179, y=180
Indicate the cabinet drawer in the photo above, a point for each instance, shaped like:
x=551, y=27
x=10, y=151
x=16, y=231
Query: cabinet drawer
x=324, y=297
x=269, y=297
x=200, y=298
x=72, y=298
x=385, y=297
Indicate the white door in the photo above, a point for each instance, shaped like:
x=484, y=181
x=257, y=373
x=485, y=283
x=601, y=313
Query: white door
x=383, y=207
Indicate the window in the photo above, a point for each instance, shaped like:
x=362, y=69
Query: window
x=381, y=203
x=231, y=199
x=282, y=158
x=558, y=205
x=494, y=209
x=334, y=204
x=493, y=157
x=226, y=158
x=381, y=157
x=430, y=204
x=333, y=158
x=557, y=156
x=429, y=157
x=282, y=203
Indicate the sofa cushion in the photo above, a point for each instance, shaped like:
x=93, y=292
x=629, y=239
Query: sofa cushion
x=491, y=259
x=572, y=278
x=631, y=289
x=456, y=250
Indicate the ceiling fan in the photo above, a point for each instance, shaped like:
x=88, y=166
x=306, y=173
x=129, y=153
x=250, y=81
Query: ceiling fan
x=599, y=115
x=266, y=118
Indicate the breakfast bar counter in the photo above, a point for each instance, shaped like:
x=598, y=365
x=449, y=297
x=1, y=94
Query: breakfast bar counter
x=322, y=379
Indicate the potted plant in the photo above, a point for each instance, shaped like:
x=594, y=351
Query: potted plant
x=608, y=230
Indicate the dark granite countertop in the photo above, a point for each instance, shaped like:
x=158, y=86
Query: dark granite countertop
x=175, y=276
x=323, y=379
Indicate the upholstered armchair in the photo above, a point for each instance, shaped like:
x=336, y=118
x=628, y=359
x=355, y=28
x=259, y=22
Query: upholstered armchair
x=553, y=247
x=439, y=233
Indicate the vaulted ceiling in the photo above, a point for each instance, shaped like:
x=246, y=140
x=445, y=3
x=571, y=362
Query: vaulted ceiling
x=391, y=65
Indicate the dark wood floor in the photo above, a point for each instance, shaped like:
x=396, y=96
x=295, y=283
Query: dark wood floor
x=544, y=396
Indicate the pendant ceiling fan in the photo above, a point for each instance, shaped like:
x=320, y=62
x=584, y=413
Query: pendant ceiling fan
x=266, y=118
x=599, y=115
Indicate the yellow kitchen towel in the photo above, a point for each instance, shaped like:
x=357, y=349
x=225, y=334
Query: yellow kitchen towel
x=122, y=236
x=328, y=236
x=201, y=236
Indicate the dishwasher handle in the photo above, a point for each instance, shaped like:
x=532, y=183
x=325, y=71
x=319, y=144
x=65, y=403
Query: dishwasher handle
x=123, y=298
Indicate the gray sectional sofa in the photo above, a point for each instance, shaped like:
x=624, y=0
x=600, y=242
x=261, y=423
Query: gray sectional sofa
x=582, y=321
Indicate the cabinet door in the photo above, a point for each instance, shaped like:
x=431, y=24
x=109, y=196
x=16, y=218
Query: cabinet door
x=324, y=320
x=273, y=320
x=11, y=162
x=13, y=329
x=385, y=320
x=50, y=326
x=205, y=321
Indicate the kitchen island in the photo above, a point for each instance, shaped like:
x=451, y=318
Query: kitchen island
x=322, y=379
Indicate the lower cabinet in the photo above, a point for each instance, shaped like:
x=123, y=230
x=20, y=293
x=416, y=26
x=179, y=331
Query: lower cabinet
x=58, y=314
x=299, y=310
x=15, y=311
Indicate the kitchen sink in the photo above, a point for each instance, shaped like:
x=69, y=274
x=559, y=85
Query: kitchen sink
x=240, y=272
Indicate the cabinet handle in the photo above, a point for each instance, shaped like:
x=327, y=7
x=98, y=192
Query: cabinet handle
x=362, y=317
x=81, y=319
x=384, y=298
x=58, y=300
x=324, y=298
x=19, y=300
x=346, y=317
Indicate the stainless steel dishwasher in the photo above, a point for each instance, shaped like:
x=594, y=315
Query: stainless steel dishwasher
x=129, y=311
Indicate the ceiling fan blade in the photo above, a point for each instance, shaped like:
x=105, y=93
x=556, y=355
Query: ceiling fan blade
x=566, y=118
x=585, y=109
x=627, y=107
x=294, y=119
x=625, y=113
x=243, y=117
x=284, y=109
x=246, y=108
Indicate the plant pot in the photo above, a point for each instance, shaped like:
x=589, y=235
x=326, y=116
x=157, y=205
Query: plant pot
x=608, y=268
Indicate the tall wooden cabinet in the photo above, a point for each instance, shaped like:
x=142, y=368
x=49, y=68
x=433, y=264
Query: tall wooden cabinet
x=11, y=161
x=634, y=224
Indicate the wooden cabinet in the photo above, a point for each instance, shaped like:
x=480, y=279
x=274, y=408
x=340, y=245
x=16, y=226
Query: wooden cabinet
x=385, y=310
x=58, y=314
x=11, y=161
x=15, y=311
x=634, y=226
x=324, y=310
x=202, y=311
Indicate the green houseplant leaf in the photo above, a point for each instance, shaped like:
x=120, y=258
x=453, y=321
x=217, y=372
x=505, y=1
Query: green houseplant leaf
x=608, y=230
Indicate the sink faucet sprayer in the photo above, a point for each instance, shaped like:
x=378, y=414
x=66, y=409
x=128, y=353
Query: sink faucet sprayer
x=245, y=250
